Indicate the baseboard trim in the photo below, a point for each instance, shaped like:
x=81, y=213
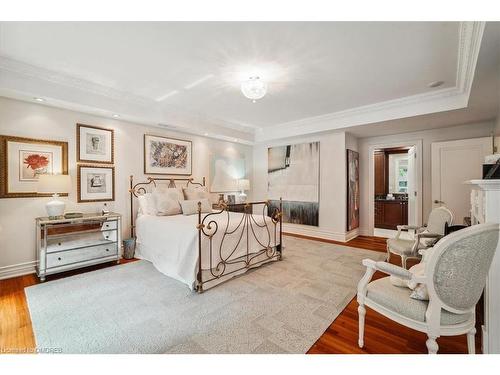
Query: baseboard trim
x=317, y=233
x=19, y=269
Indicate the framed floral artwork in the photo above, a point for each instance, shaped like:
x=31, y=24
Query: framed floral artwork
x=95, y=183
x=94, y=144
x=167, y=155
x=24, y=160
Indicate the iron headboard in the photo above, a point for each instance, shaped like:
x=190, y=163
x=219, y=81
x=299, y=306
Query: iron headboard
x=140, y=188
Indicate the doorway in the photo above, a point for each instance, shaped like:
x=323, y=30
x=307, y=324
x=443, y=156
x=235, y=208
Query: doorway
x=395, y=187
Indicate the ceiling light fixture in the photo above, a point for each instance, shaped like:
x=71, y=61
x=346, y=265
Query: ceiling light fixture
x=115, y=115
x=254, y=88
x=39, y=100
x=435, y=84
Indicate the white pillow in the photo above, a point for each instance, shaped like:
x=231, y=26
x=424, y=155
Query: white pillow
x=190, y=207
x=419, y=291
x=198, y=192
x=167, y=201
x=147, y=204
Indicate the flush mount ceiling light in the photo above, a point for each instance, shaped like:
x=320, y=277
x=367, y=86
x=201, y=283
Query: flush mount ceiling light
x=40, y=100
x=115, y=115
x=254, y=88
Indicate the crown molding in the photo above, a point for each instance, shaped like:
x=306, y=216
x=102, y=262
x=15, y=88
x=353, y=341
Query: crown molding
x=21, y=80
x=456, y=97
x=24, y=81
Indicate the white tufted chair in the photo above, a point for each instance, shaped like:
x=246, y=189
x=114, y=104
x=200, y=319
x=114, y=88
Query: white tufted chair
x=424, y=237
x=455, y=275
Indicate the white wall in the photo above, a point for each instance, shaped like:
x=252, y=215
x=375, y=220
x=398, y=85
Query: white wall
x=332, y=200
x=475, y=130
x=17, y=228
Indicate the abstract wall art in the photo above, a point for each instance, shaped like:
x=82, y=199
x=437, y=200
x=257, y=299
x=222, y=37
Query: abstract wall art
x=352, y=190
x=167, y=155
x=293, y=175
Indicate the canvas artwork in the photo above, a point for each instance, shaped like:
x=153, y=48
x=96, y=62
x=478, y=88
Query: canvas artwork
x=24, y=160
x=352, y=190
x=95, y=183
x=225, y=172
x=33, y=164
x=293, y=175
x=167, y=155
x=95, y=144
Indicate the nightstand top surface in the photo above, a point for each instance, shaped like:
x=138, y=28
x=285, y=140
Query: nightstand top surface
x=92, y=216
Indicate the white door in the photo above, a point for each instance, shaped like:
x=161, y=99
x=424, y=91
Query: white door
x=453, y=163
x=412, y=187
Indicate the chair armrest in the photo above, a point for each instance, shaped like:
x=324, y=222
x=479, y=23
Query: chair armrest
x=394, y=270
x=407, y=227
x=388, y=268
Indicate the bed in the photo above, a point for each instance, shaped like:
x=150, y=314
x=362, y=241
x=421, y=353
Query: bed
x=206, y=249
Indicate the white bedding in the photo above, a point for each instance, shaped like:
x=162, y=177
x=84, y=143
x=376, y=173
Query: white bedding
x=171, y=242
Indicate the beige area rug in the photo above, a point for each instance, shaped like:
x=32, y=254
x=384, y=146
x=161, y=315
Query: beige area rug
x=282, y=307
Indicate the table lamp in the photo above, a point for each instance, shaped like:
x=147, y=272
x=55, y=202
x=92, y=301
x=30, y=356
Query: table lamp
x=55, y=184
x=243, y=185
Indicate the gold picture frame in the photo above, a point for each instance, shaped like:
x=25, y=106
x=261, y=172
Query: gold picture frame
x=11, y=168
x=101, y=132
x=100, y=196
x=160, y=170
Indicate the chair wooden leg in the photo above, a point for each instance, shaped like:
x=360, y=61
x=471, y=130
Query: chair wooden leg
x=432, y=345
x=471, y=341
x=361, y=319
x=403, y=261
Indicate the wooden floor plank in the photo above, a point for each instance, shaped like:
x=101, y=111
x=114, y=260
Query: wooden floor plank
x=382, y=335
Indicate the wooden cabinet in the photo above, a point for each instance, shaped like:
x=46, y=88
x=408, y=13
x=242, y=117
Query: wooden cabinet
x=380, y=173
x=390, y=214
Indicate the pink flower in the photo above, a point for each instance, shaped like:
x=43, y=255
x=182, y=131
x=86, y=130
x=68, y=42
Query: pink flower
x=36, y=161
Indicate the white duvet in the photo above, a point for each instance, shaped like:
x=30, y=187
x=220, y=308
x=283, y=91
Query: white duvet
x=171, y=242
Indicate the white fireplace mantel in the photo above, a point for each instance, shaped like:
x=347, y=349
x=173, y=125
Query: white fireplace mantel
x=485, y=208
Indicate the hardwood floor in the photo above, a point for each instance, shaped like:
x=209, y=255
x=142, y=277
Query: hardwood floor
x=381, y=334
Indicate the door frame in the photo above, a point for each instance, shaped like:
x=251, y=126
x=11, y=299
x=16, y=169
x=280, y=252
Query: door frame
x=418, y=144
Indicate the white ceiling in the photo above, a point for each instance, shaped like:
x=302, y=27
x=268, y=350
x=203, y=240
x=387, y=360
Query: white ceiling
x=314, y=69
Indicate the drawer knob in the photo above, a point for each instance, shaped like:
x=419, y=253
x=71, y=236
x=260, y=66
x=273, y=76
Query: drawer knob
x=107, y=249
x=59, y=258
x=59, y=243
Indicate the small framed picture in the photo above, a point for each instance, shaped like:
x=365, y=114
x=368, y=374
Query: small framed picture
x=94, y=144
x=167, y=155
x=96, y=183
x=23, y=160
x=231, y=199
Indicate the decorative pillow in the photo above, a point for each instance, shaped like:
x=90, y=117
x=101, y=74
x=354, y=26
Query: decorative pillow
x=420, y=293
x=170, y=191
x=167, y=202
x=194, y=193
x=147, y=204
x=190, y=207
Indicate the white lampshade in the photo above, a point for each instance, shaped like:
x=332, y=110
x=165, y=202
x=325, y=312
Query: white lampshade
x=243, y=184
x=54, y=183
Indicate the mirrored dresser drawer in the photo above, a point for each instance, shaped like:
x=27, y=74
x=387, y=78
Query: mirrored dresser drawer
x=65, y=244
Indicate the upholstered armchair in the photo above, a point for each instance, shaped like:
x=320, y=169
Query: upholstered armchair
x=455, y=275
x=423, y=237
